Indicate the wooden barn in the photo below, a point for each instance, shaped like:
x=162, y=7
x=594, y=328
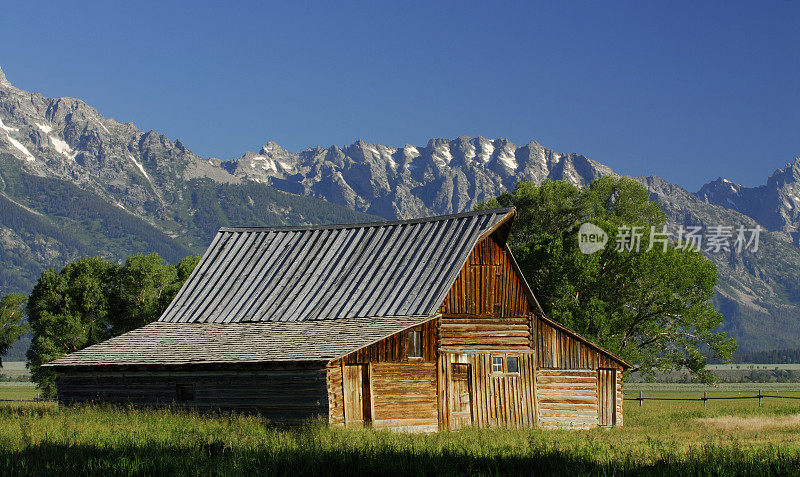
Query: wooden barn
x=420, y=325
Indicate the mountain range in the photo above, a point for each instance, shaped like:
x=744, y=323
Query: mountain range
x=74, y=183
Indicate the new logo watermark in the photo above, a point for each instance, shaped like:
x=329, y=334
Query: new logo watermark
x=591, y=238
x=712, y=239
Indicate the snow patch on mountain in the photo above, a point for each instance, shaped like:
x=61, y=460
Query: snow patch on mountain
x=411, y=151
x=62, y=147
x=487, y=149
x=44, y=128
x=507, y=158
x=442, y=155
x=6, y=128
x=17, y=145
x=139, y=166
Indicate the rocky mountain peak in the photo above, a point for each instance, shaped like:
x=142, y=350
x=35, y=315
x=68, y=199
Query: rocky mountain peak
x=3, y=80
x=718, y=189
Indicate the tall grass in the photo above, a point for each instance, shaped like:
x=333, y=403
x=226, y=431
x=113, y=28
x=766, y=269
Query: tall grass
x=658, y=439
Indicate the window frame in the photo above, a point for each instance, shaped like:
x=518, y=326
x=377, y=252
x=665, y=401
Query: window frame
x=502, y=363
x=181, y=394
x=516, y=360
x=418, y=345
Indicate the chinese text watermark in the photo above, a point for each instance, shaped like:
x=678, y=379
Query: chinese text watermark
x=711, y=239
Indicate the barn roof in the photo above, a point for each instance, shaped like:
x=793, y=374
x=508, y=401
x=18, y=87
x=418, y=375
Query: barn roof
x=162, y=343
x=398, y=268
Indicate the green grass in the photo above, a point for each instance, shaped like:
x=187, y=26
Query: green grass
x=18, y=391
x=659, y=438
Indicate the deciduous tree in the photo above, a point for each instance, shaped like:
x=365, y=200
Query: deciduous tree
x=651, y=306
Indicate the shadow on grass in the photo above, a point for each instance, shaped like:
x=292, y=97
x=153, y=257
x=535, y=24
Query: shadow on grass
x=217, y=459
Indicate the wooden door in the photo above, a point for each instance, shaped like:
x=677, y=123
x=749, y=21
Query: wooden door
x=460, y=395
x=356, y=395
x=607, y=394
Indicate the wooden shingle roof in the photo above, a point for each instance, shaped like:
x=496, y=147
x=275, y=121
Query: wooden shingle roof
x=174, y=344
x=399, y=268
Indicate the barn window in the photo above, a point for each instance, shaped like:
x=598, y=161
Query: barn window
x=414, y=344
x=497, y=364
x=512, y=364
x=184, y=392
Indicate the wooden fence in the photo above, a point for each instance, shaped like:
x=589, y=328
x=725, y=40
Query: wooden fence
x=707, y=398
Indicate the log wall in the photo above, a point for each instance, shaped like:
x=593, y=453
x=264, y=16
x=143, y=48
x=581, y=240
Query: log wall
x=404, y=396
x=285, y=393
x=567, y=398
x=567, y=379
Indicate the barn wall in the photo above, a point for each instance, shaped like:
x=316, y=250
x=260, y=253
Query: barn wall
x=394, y=349
x=567, y=379
x=279, y=392
x=567, y=398
x=497, y=399
x=559, y=350
x=487, y=285
x=404, y=396
x=486, y=313
x=402, y=390
x=486, y=308
x=335, y=394
x=620, y=398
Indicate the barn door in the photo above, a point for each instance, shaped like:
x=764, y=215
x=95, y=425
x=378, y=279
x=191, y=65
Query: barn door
x=607, y=393
x=356, y=395
x=460, y=396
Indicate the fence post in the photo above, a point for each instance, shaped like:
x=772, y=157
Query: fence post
x=759, y=398
x=705, y=398
x=640, y=399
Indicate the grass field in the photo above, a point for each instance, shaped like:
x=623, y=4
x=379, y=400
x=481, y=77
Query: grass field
x=749, y=367
x=660, y=438
x=18, y=391
x=15, y=370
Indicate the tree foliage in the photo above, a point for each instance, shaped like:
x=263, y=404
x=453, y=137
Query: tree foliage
x=12, y=320
x=652, y=307
x=91, y=300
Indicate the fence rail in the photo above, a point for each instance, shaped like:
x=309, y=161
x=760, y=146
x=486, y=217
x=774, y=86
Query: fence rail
x=707, y=398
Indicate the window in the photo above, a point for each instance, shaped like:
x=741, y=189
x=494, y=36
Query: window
x=512, y=364
x=414, y=344
x=184, y=392
x=497, y=364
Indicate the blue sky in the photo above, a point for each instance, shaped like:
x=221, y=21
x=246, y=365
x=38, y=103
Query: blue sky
x=688, y=91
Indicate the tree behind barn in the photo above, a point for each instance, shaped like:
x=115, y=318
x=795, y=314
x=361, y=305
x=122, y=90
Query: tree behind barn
x=91, y=300
x=651, y=307
x=12, y=321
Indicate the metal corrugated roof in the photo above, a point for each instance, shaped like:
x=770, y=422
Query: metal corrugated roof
x=212, y=343
x=398, y=268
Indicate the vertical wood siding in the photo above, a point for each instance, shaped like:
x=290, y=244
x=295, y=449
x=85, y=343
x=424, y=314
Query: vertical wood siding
x=558, y=350
x=620, y=398
x=498, y=400
x=394, y=349
x=285, y=393
x=487, y=286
